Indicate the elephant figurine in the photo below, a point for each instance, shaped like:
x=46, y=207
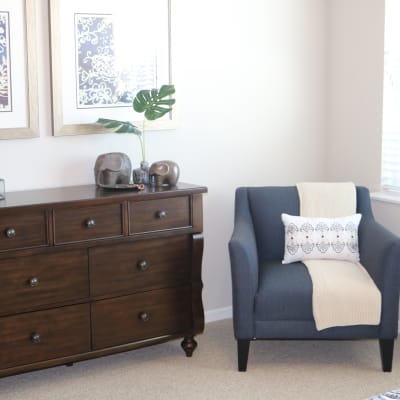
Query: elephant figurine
x=164, y=173
x=112, y=168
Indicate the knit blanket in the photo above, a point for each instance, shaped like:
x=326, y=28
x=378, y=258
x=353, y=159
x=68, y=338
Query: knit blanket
x=343, y=292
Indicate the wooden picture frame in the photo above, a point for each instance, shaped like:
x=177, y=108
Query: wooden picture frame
x=96, y=61
x=19, y=113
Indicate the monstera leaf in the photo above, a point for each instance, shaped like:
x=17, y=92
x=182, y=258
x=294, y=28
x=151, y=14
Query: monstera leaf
x=119, y=126
x=154, y=103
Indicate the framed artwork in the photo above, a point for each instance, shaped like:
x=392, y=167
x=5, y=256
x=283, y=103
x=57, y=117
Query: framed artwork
x=18, y=70
x=102, y=53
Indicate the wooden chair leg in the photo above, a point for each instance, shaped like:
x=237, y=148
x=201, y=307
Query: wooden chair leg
x=386, y=347
x=243, y=354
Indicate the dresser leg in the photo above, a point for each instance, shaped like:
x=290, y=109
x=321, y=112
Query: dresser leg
x=70, y=364
x=189, y=345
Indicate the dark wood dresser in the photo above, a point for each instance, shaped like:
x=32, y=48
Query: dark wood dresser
x=86, y=272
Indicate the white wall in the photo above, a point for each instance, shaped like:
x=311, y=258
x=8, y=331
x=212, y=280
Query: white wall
x=252, y=83
x=388, y=214
x=251, y=86
x=355, y=79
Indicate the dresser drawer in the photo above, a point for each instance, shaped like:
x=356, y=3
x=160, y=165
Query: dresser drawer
x=43, y=335
x=87, y=223
x=140, y=316
x=158, y=215
x=28, y=282
x=143, y=265
x=21, y=229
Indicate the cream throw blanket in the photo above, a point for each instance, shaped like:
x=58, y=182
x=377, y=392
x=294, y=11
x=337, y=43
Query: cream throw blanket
x=343, y=292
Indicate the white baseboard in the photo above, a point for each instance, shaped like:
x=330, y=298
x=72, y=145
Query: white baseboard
x=218, y=314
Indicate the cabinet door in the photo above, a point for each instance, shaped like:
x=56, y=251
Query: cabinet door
x=139, y=266
x=44, y=335
x=140, y=316
x=29, y=282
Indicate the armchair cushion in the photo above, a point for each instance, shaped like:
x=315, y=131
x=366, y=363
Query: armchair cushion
x=309, y=238
x=284, y=293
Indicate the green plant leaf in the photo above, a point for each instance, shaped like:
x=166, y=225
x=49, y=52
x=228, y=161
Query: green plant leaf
x=119, y=126
x=168, y=102
x=153, y=103
x=166, y=90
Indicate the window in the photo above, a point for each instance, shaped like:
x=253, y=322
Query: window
x=391, y=99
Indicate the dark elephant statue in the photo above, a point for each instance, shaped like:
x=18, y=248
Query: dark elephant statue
x=112, y=168
x=164, y=173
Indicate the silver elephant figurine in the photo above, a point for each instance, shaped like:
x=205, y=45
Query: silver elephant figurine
x=112, y=168
x=164, y=173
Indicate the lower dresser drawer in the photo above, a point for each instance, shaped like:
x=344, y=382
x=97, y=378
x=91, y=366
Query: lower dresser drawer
x=140, y=316
x=43, y=335
x=34, y=281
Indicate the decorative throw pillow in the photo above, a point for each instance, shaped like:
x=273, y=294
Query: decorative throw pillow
x=321, y=238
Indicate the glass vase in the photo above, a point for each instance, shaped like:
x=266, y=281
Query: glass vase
x=141, y=175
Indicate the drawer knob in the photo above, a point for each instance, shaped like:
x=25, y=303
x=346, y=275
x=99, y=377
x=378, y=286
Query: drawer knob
x=10, y=233
x=161, y=214
x=35, y=338
x=33, y=282
x=90, y=223
x=143, y=265
x=144, y=316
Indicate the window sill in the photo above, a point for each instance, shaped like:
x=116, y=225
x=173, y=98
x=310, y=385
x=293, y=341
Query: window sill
x=386, y=197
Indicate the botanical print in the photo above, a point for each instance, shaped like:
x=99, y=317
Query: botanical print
x=103, y=80
x=5, y=81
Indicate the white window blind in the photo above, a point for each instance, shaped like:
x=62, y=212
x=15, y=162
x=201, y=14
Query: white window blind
x=391, y=98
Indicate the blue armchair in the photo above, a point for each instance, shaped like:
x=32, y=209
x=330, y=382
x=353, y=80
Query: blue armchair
x=272, y=300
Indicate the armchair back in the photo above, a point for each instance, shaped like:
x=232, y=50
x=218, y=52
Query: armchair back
x=266, y=204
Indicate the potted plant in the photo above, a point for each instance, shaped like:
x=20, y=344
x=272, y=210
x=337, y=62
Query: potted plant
x=154, y=103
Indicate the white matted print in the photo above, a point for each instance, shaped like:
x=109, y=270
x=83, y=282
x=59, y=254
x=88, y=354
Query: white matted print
x=18, y=70
x=103, y=53
x=5, y=68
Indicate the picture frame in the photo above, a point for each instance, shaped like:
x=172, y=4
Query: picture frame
x=19, y=113
x=102, y=53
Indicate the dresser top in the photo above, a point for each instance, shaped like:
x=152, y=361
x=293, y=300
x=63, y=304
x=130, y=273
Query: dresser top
x=92, y=192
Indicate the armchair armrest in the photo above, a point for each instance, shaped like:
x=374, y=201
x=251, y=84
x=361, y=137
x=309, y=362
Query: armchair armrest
x=380, y=255
x=244, y=268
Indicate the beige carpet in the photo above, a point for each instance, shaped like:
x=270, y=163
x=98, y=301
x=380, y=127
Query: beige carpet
x=276, y=370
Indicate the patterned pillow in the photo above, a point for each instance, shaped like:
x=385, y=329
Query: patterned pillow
x=321, y=238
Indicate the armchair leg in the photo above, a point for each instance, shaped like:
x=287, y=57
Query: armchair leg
x=243, y=354
x=386, y=348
